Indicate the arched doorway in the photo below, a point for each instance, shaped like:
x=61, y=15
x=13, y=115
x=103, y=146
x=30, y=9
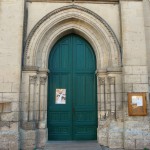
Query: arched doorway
x=72, y=100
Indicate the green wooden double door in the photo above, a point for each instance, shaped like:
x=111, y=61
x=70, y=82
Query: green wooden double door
x=72, y=104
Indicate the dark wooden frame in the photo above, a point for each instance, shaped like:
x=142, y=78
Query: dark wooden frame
x=139, y=110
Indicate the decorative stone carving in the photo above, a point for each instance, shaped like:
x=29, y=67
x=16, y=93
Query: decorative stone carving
x=43, y=80
x=30, y=68
x=111, y=80
x=101, y=80
x=32, y=79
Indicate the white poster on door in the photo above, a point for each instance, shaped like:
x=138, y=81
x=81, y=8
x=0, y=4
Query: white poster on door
x=60, y=96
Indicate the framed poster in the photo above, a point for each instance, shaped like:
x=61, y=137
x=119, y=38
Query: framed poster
x=137, y=104
x=60, y=96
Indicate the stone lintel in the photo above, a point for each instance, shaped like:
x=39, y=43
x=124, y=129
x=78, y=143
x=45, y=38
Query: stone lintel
x=101, y=72
x=114, y=69
x=74, y=1
x=30, y=68
x=43, y=71
x=35, y=69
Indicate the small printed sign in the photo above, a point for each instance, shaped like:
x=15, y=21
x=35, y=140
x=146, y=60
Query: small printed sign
x=137, y=104
x=137, y=100
x=60, y=96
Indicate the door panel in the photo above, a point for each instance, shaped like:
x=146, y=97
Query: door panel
x=72, y=67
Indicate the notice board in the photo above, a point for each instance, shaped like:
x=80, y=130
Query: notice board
x=137, y=105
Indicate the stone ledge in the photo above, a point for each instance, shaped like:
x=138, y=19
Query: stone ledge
x=74, y=1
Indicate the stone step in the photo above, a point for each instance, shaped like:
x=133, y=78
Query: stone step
x=74, y=145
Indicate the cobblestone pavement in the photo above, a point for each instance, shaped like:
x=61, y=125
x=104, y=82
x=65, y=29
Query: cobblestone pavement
x=74, y=145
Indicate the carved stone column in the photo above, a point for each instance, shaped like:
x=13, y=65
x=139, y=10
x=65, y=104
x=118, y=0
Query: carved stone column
x=32, y=81
x=102, y=93
x=42, y=102
x=112, y=96
x=102, y=97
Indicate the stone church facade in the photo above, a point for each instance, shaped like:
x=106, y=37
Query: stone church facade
x=119, y=33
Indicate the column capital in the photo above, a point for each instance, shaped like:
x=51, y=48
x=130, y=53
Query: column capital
x=32, y=79
x=111, y=80
x=43, y=79
x=101, y=80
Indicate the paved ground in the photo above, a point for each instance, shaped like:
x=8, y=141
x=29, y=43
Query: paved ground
x=74, y=145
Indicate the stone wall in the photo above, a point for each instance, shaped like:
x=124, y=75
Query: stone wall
x=33, y=129
x=135, y=72
x=23, y=100
x=11, y=33
x=146, y=5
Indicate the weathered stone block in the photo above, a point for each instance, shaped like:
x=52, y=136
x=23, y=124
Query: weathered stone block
x=28, y=145
x=118, y=88
x=5, y=87
x=139, y=69
x=140, y=88
x=132, y=78
x=5, y=107
x=127, y=70
x=24, y=106
x=147, y=144
x=103, y=133
x=29, y=125
x=13, y=145
x=24, y=116
x=9, y=135
x=115, y=135
x=146, y=135
x=25, y=147
x=42, y=124
x=24, y=96
x=15, y=106
x=13, y=116
x=129, y=144
x=28, y=134
x=4, y=124
x=119, y=115
x=115, y=143
x=139, y=144
x=128, y=87
x=4, y=145
x=103, y=141
x=14, y=125
x=135, y=134
x=144, y=78
x=15, y=87
x=9, y=97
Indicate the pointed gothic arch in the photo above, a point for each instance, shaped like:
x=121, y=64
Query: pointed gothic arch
x=67, y=20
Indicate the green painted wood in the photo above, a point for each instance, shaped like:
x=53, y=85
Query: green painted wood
x=72, y=66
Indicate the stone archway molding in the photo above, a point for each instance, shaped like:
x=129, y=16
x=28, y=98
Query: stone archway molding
x=66, y=20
